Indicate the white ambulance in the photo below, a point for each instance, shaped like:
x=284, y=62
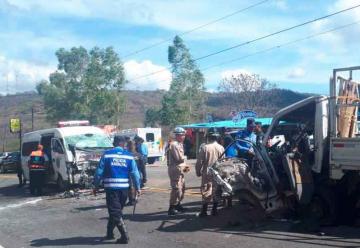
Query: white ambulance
x=73, y=149
x=152, y=139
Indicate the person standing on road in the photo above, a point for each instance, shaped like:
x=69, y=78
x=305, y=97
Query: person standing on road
x=115, y=168
x=209, y=153
x=130, y=147
x=142, y=150
x=176, y=169
x=37, y=170
x=19, y=172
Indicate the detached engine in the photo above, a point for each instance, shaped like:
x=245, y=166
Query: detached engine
x=234, y=174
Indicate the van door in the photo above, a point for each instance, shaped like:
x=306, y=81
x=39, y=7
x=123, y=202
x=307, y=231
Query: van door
x=46, y=142
x=58, y=160
x=27, y=148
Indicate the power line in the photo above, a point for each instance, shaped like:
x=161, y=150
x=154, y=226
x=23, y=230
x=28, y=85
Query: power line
x=276, y=33
x=254, y=40
x=279, y=46
x=196, y=28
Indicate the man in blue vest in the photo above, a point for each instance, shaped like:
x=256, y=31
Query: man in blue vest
x=115, y=169
x=246, y=149
x=142, y=149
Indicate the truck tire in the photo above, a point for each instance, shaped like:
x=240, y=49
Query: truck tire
x=323, y=206
x=347, y=211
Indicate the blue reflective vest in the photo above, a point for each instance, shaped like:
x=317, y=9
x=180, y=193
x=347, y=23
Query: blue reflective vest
x=246, y=135
x=115, y=168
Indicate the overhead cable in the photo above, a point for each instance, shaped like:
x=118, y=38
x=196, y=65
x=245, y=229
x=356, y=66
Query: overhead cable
x=196, y=28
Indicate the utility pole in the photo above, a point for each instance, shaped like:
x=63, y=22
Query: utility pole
x=16, y=81
x=4, y=138
x=32, y=118
x=6, y=112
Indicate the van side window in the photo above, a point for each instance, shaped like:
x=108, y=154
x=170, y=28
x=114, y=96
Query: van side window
x=150, y=137
x=29, y=147
x=57, y=147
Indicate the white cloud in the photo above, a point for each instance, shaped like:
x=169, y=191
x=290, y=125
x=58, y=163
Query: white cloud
x=281, y=4
x=296, y=73
x=343, y=4
x=19, y=75
x=177, y=16
x=342, y=38
x=6, y=7
x=136, y=70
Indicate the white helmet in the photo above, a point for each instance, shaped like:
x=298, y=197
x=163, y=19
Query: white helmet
x=179, y=130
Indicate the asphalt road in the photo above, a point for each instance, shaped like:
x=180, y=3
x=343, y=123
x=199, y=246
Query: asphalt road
x=55, y=221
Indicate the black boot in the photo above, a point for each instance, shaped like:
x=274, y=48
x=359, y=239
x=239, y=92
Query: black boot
x=172, y=210
x=180, y=208
x=203, y=212
x=110, y=231
x=214, y=211
x=124, y=239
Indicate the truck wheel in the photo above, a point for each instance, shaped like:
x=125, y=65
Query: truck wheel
x=347, y=213
x=323, y=207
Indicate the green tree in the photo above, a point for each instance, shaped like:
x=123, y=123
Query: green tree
x=248, y=91
x=151, y=117
x=185, y=99
x=86, y=85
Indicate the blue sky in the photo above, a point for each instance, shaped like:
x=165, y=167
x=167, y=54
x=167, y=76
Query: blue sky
x=32, y=30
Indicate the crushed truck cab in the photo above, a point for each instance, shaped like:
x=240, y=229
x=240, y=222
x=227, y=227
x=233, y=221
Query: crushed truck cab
x=311, y=159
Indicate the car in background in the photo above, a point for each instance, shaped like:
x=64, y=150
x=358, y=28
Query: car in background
x=10, y=163
x=3, y=155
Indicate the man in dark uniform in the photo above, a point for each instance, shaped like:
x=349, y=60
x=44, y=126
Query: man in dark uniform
x=19, y=172
x=37, y=168
x=115, y=168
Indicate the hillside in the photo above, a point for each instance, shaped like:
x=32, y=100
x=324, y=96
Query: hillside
x=138, y=102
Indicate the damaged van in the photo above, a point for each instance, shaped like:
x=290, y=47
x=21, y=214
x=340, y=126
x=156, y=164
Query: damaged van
x=73, y=149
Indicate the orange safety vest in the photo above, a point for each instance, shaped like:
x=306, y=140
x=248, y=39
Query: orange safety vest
x=40, y=165
x=36, y=153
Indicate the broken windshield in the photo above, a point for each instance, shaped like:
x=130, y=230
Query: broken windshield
x=88, y=141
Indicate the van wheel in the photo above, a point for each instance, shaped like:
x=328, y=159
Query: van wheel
x=2, y=169
x=62, y=185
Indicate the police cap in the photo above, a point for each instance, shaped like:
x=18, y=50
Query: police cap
x=213, y=132
x=179, y=131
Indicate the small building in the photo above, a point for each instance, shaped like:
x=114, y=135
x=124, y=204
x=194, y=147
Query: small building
x=195, y=133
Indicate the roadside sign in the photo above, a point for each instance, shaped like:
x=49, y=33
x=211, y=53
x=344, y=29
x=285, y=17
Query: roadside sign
x=15, y=125
x=244, y=114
